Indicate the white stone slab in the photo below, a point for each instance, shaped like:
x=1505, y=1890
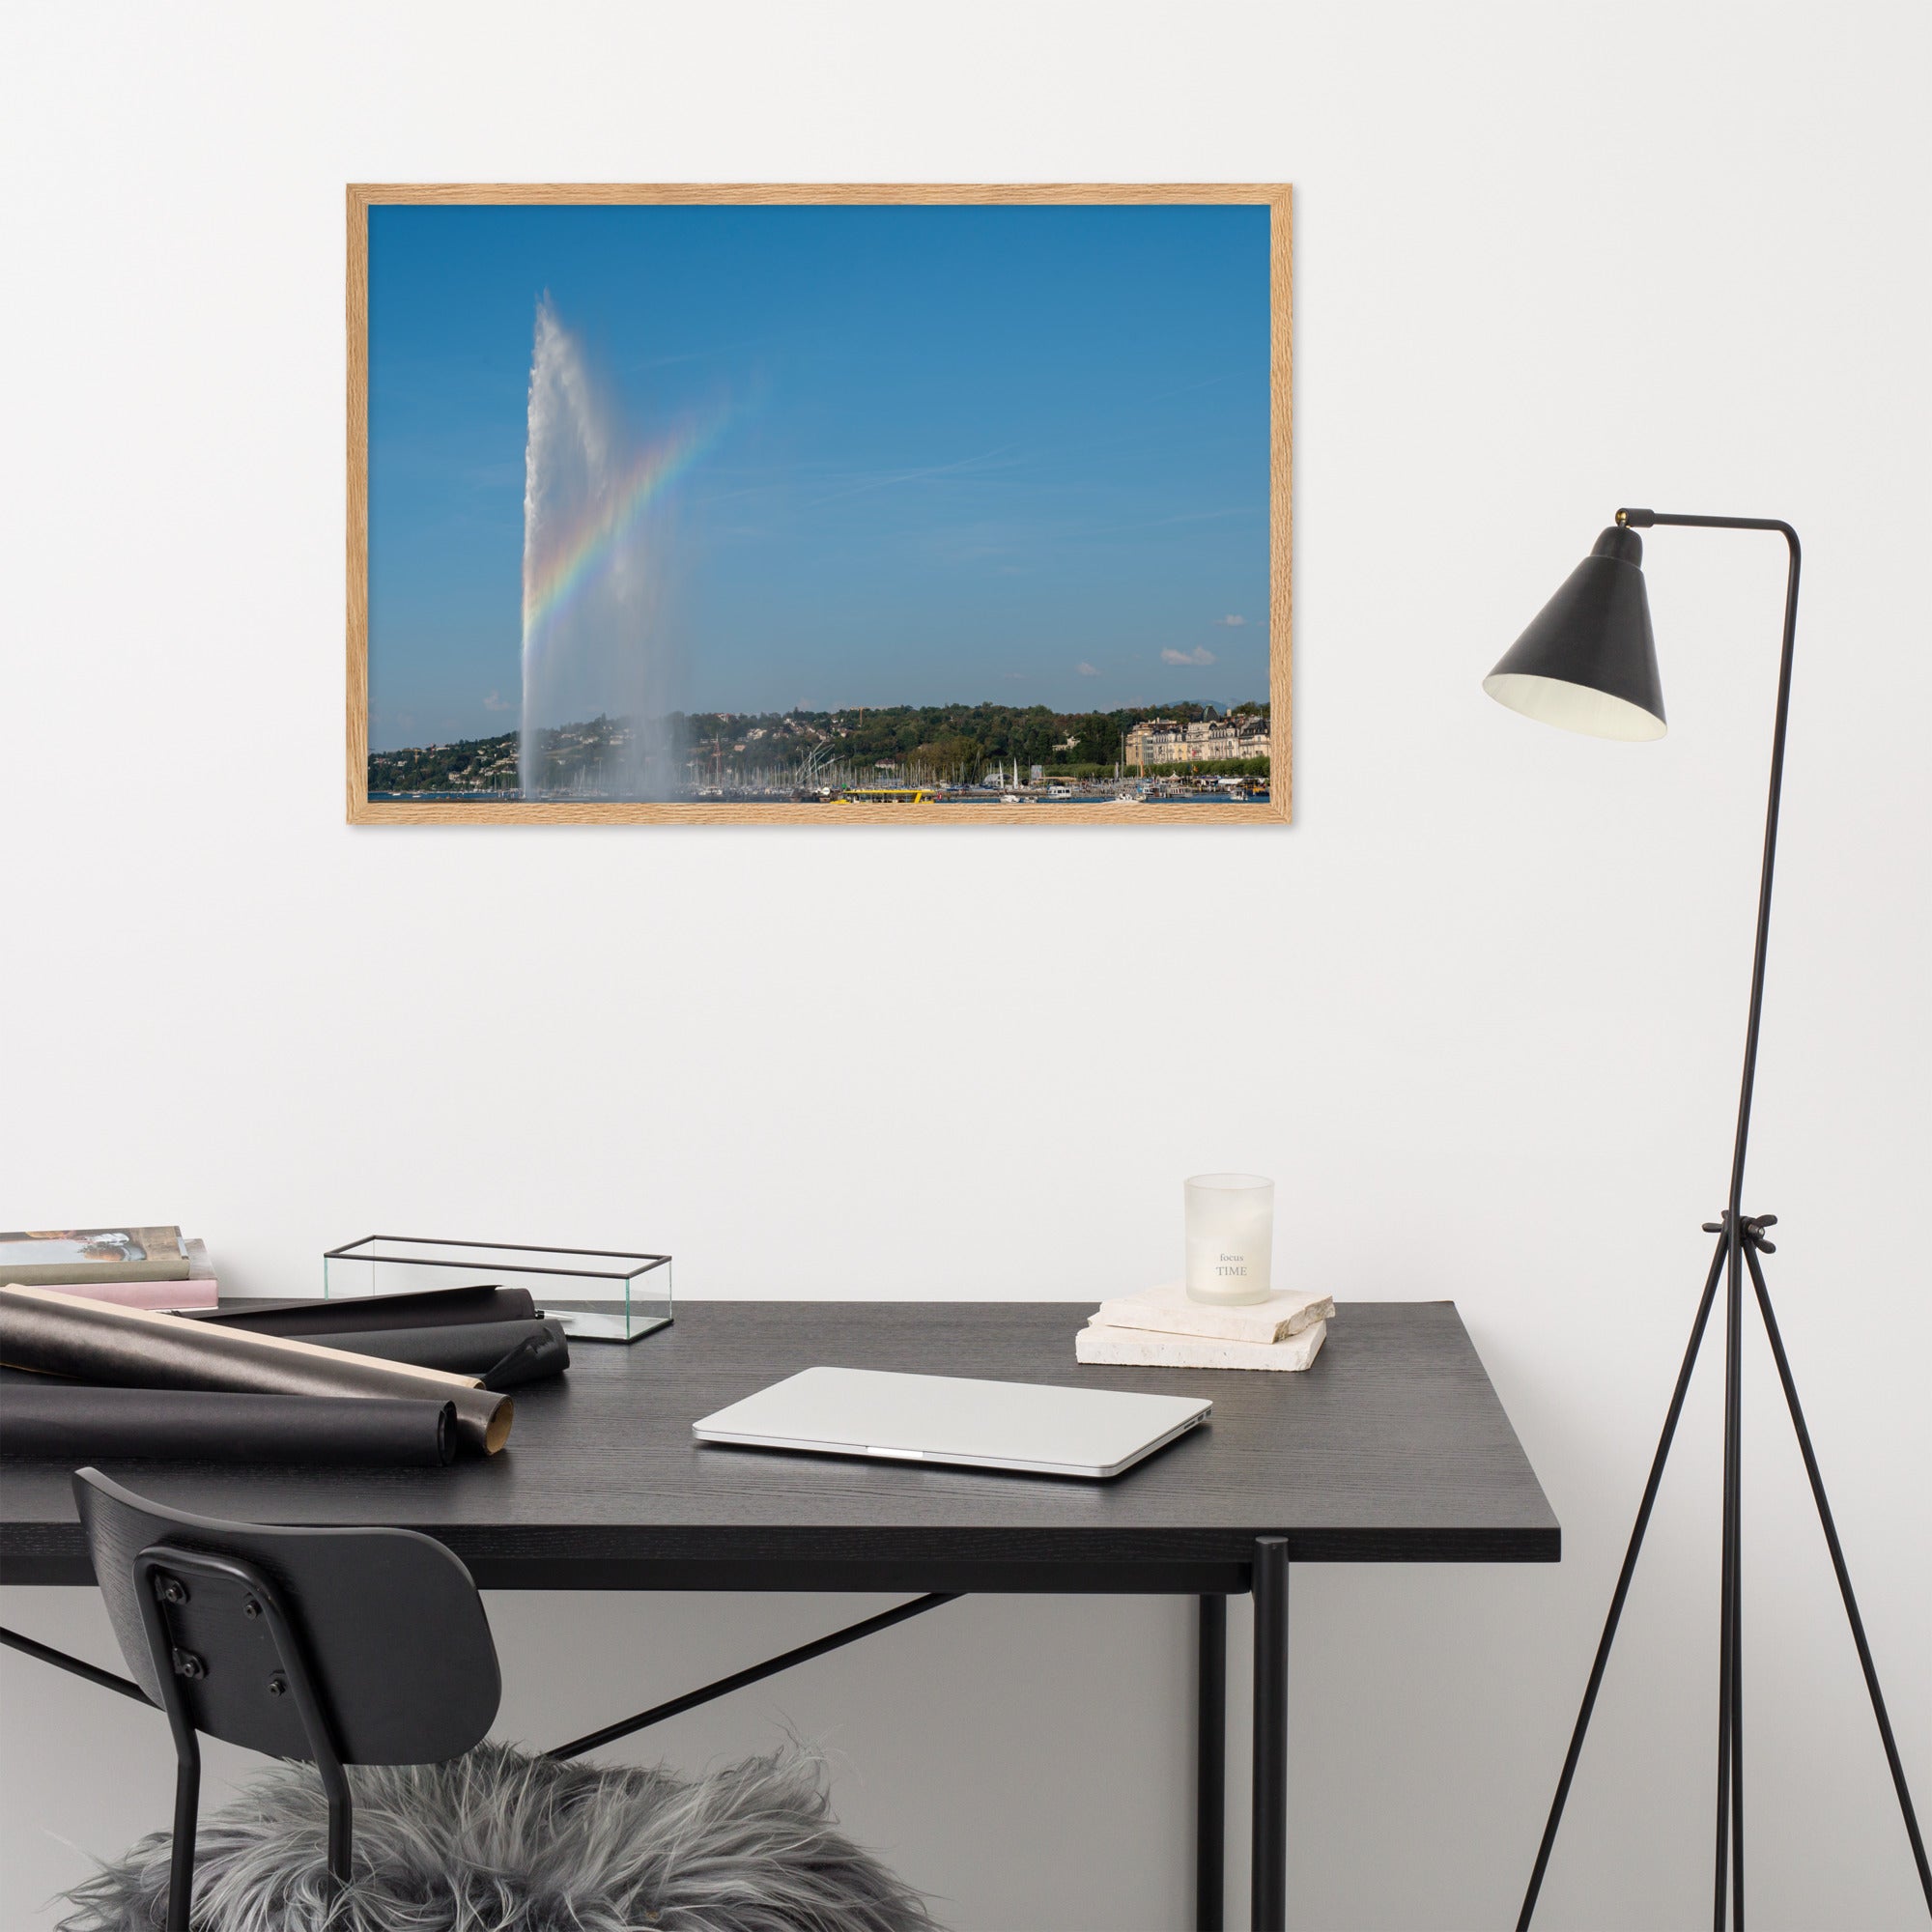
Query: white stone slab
x=1142, y=1348
x=1168, y=1310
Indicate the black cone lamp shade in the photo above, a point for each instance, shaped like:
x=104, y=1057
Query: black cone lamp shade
x=1588, y=661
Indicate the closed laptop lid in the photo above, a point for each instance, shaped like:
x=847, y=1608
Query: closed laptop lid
x=954, y=1419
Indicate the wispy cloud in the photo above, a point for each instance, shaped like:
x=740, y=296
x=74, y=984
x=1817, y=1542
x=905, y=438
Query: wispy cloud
x=1001, y=458
x=1164, y=523
x=1230, y=622
x=1198, y=655
x=496, y=701
x=1086, y=669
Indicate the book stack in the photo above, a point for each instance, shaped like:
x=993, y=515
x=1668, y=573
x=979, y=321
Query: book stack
x=130, y=1267
x=1162, y=1328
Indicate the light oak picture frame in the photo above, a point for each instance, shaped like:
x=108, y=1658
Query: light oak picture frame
x=1275, y=807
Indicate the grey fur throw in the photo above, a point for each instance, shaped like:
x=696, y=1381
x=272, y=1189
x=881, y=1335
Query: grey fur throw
x=496, y=1841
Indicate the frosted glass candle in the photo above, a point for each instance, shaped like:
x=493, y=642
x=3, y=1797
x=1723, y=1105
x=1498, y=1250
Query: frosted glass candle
x=1230, y=1238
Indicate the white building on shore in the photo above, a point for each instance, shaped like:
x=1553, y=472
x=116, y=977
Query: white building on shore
x=1168, y=740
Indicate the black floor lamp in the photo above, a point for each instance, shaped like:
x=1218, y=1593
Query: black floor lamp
x=1588, y=663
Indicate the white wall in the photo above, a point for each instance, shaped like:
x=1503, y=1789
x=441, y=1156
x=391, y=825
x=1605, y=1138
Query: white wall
x=1548, y=261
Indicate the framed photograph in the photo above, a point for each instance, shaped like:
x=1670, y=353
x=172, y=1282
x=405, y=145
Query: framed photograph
x=819, y=504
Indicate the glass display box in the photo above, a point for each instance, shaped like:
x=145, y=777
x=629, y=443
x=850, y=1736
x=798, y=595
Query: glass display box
x=599, y=1296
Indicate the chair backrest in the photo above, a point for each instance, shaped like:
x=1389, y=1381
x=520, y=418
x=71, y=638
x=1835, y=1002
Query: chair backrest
x=390, y=1630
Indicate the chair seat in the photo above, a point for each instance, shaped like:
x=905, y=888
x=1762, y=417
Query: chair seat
x=498, y=1841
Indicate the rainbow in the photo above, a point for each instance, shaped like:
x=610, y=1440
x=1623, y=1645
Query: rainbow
x=556, y=581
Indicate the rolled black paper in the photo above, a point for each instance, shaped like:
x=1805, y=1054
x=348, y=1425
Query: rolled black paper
x=466, y=1348
x=363, y=1313
x=137, y=1348
x=525, y=1363
x=72, y=1424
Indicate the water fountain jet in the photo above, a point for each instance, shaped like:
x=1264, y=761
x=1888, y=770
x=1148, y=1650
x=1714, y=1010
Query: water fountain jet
x=592, y=633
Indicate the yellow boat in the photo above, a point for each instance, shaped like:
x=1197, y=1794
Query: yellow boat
x=892, y=795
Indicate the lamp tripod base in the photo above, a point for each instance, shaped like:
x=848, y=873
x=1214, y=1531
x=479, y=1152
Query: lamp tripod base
x=1741, y=1241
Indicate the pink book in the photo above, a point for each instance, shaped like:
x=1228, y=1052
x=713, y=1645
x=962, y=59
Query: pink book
x=161, y=1294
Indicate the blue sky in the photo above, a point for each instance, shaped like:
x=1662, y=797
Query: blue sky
x=1006, y=454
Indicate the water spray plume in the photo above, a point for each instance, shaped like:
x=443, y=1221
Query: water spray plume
x=594, y=642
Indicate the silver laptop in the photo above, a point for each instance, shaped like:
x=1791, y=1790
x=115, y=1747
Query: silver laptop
x=1045, y=1432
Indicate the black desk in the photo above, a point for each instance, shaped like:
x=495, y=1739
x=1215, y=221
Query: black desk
x=1391, y=1448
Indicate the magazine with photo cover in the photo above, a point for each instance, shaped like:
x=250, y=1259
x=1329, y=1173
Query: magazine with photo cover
x=56, y=1255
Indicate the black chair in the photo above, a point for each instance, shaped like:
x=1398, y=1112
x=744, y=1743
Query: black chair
x=331, y=1646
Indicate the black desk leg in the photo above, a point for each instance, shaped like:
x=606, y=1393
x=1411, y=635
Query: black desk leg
x=1270, y=1893
x=1211, y=1767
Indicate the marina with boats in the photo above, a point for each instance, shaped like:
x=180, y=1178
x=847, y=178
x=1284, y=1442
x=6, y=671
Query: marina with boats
x=875, y=756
